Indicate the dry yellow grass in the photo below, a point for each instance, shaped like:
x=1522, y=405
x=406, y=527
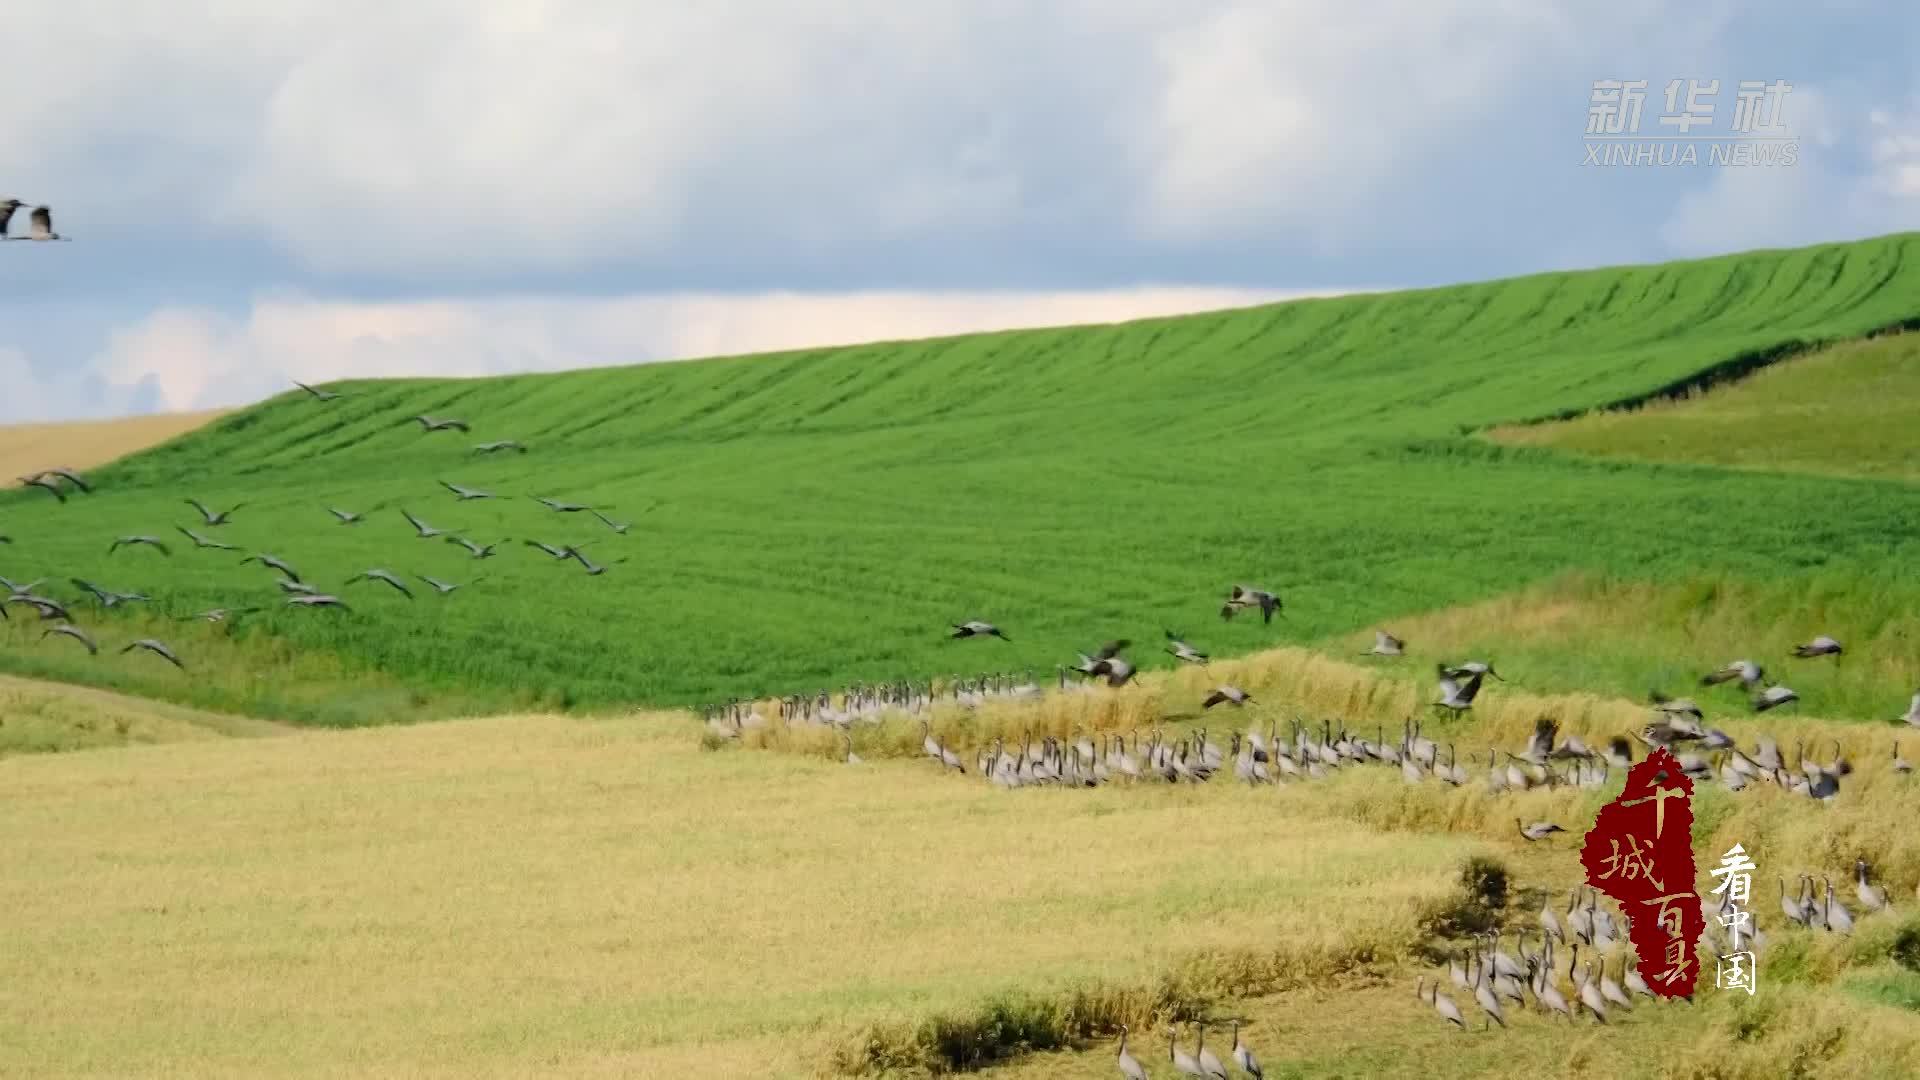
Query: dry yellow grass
x=1845, y=410
x=544, y=896
x=41, y=716
x=83, y=444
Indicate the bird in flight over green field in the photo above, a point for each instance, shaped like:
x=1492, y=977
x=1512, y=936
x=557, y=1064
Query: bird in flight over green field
x=1246, y=596
x=976, y=628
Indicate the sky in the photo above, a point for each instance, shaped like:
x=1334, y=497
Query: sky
x=307, y=190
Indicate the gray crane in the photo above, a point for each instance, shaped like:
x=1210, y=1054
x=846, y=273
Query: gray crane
x=434, y=423
x=200, y=541
x=378, y=574
x=273, y=561
x=157, y=648
x=210, y=517
x=69, y=630
x=318, y=395
x=153, y=542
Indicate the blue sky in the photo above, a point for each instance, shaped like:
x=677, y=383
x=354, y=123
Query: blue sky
x=321, y=190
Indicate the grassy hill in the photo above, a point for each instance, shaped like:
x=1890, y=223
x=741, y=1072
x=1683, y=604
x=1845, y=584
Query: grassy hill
x=810, y=518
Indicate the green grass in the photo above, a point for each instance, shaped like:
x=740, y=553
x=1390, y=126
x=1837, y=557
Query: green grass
x=1849, y=410
x=807, y=519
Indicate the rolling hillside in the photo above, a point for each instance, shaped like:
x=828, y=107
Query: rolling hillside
x=806, y=519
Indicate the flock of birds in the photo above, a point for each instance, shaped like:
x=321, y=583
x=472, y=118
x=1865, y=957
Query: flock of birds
x=39, y=222
x=1498, y=981
x=296, y=590
x=1495, y=977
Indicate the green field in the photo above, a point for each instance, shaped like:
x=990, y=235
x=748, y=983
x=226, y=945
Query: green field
x=622, y=893
x=807, y=519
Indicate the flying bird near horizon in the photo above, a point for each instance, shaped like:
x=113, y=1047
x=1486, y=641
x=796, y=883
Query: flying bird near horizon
x=318, y=395
x=40, y=481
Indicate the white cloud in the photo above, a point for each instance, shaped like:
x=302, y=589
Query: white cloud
x=502, y=138
x=1824, y=195
x=199, y=359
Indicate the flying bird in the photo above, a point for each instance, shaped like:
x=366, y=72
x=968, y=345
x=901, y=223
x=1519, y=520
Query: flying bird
x=1675, y=706
x=441, y=587
x=560, y=507
x=1183, y=651
x=976, y=628
x=498, y=445
x=156, y=648
x=465, y=493
x=346, y=517
x=421, y=529
x=431, y=423
x=7, y=207
x=478, y=551
x=1773, y=697
x=212, y=518
x=153, y=542
x=1913, y=712
x=273, y=561
x=593, y=569
x=44, y=484
x=1225, y=694
x=1820, y=646
x=318, y=395
x=40, y=225
x=1471, y=668
x=74, y=632
x=313, y=600
x=70, y=477
x=1748, y=672
x=296, y=588
x=220, y=615
x=382, y=575
x=1385, y=644
x=1454, y=694
x=200, y=541
x=556, y=552
x=620, y=527
x=1246, y=596
x=107, y=597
